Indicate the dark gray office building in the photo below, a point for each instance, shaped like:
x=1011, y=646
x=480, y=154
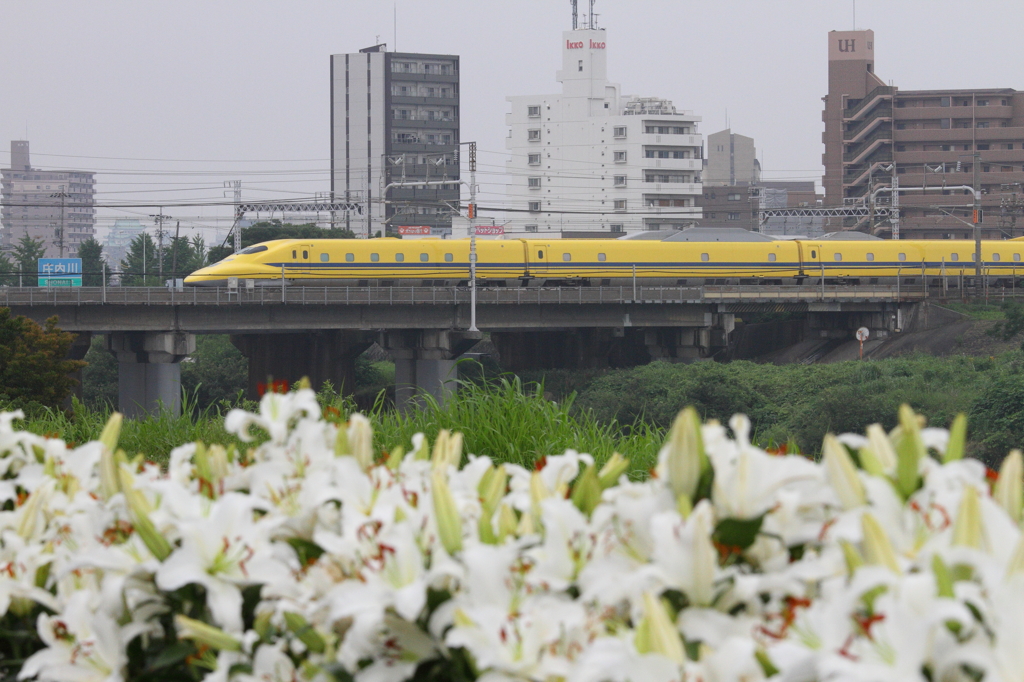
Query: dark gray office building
x=395, y=139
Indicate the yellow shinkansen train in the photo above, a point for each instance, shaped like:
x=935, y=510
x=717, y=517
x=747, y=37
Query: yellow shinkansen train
x=608, y=262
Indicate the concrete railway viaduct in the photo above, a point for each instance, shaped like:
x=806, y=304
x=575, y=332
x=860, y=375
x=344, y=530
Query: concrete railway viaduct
x=319, y=331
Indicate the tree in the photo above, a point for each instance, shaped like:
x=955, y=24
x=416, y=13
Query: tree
x=140, y=267
x=33, y=361
x=27, y=253
x=7, y=276
x=91, y=253
x=184, y=256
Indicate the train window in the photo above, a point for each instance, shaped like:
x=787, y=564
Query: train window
x=324, y=257
x=374, y=257
x=448, y=258
x=252, y=249
x=424, y=257
x=602, y=257
x=871, y=256
x=771, y=257
x=1016, y=257
x=399, y=257
x=954, y=257
x=305, y=255
x=349, y=257
x=837, y=256
x=566, y=256
x=995, y=256
x=974, y=256
x=705, y=257
x=540, y=254
x=294, y=254
x=814, y=254
x=902, y=256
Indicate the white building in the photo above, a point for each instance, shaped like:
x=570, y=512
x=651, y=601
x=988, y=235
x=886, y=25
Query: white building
x=119, y=239
x=592, y=161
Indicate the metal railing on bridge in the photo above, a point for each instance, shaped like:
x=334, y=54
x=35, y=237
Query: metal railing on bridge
x=400, y=295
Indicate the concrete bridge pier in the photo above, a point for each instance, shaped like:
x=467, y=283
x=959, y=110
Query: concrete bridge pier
x=322, y=356
x=149, y=370
x=425, y=363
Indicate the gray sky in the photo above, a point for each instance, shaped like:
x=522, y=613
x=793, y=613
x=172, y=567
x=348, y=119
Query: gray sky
x=167, y=100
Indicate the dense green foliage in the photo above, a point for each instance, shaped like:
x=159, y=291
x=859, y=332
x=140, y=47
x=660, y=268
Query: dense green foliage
x=91, y=253
x=33, y=368
x=1012, y=324
x=267, y=230
x=27, y=252
x=146, y=260
x=803, y=402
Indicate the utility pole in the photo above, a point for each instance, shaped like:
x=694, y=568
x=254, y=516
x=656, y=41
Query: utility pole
x=174, y=254
x=159, y=220
x=59, y=241
x=236, y=229
x=977, y=215
x=472, y=237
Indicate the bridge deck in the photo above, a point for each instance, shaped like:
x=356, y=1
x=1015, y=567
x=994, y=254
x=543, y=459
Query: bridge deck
x=399, y=295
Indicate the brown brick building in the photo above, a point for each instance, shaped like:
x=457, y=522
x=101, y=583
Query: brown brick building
x=928, y=139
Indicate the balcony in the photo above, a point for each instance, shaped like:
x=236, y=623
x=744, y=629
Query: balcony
x=960, y=135
x=419, y=124
x=673, y=187
x=955, y=113
x=879, y=94
x=669, y=140
x=674, y=164
x=424, y=77
x=429, y=101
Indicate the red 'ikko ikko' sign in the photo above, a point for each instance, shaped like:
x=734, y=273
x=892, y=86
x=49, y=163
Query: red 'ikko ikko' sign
x=578, y=45
x=414, y=229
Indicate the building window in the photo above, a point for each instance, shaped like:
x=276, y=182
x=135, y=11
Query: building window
x=533, y=135
x=531, y=228
x=983, y=147
x=620, y=204
x=617, y=227
x=533, y=159
x=620, y=157
x=533, y=111
x=986, y=169
x=534, y=206
x=533, y=183
x=983, y=124
x=1005, y=169
x=945, y=123
x=901, y=126
x=944, y=102
x=734, y=197
x=619, y=131
x=982, y=102
x=580, y=67
x=734, y=216
x=620, y=180
x=1008, y=146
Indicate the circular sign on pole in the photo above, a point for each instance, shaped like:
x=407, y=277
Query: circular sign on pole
x=863, y=333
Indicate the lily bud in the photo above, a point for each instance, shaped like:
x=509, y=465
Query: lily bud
x=683, y=454
x=842, y=473
x=612, y=470
x=360, y=438
x=1009, y=490
x=853, y=558
x=420, y=447
x=705, y=561
x=395, y=458
x=447, y=449
x=109, y=481
x=910, y=451
x=586, y=491
x=507, y=522
x=28, y=513
x=957, y=439
x=943, y=578
x=1016, y=564
x=968, y=527
x=880, y=444
x=492, y=487
x=112, y=431
x=878, y=551
x=204, y=633
x=341, y=446
x=139, y=508
x=661, y=634
x=538, y=492
x=449, y=524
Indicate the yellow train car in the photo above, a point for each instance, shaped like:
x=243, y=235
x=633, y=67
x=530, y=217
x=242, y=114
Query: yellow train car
x=875, y=262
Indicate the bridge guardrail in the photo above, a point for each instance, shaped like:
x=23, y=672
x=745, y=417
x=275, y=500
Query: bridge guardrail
x=398, y=295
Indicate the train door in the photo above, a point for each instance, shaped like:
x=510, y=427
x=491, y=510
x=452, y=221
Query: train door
x=814, y=262
x=301, y=259
x=539, y=266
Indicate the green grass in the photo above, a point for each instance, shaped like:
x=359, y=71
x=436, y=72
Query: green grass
x=976, y=311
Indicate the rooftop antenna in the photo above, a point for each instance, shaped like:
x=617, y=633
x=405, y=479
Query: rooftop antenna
x=395, y=43
x=593, y=23
x=575, y=23
x=854, y=15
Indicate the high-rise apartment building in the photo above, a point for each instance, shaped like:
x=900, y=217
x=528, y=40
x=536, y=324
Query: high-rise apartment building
x=593, y=162
x=43, y=204
x=929, y=140
x=395, y=139
x=731, y=159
